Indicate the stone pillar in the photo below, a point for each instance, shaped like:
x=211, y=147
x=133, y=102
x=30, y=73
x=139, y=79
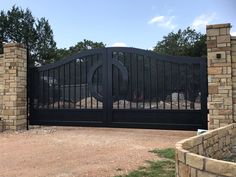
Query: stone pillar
x=220, y=86
x=14, y=86
x=233, y=53
x=1, y=90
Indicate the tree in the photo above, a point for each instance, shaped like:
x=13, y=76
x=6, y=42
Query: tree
x=3, y=30
x=18, y=25
x=80, y=46
x=45, y=45
x=183, y=43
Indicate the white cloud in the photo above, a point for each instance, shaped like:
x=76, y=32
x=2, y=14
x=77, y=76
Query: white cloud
x=163, y=21
x=150, y=48
x=119, y=44
x=233, y=33
x=202, y=20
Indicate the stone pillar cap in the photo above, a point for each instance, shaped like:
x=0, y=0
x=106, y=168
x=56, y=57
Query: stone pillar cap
x=14, y=45
x=223, y=25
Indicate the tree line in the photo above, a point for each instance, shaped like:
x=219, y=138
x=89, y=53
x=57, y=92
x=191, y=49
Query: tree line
x=19, y=25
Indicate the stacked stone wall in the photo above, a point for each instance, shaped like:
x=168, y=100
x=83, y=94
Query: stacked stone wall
x=220, y=75
x=1, y=91
x=13, y=78
x=198, y=156
x=233, y=53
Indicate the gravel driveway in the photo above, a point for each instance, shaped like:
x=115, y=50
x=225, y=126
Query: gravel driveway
x=80, y=152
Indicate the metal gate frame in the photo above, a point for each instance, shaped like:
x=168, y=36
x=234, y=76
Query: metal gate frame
x=108, y=116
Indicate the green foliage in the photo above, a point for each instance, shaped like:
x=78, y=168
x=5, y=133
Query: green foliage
x=158, y=168
x=155, y=169
x=45, y=45
x=80, y=46
x=168, y=153
x=3, y=20
x=183, y=43
x=18, y=25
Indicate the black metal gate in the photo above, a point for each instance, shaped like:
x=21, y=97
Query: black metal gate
x=120, y=87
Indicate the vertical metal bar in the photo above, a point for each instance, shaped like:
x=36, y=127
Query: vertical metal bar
x=97, y=74
x=48, y=100
x=53, y=88
x=38, y=95
x=31, y=86
x=75, y=64
x=163, y=96
x=186, y=86
x=193, y=79
x=150, y=84
x=59, y=86
x=91, y=99
x=107, y=87
x=178, y=84
x=130, y=81
x=86, y=60
x=124, y=66
x=143, y=83
x=43, y=101
x=157, y=83
x=118, y=81
x=64, y=85
x=113, y=80
x=171, y=85
x=69, y=73
x=80, y=82
x=136, y=81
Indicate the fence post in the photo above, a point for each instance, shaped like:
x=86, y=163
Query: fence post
x=14, y=84
x=220, y=86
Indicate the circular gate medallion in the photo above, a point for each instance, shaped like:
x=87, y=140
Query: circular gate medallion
x=91, y=73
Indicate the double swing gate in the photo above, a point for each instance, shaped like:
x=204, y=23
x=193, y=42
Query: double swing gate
x=120, y=87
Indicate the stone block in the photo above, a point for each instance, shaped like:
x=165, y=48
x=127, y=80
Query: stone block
x=213, y=55
x=223, y=31
x=234, y=48
x=213, y=32
x=225, y=111
x=217, y=26
x=223, y=39
x=181, y=153
x=219, y=49
x=211, y=43
x=195, y=160
x=193, y=172
x=184, y=170
x=200, y=149
x=205, y=174
x=215, y=70
x=219, y=167
x=212, y=89
x=1, y=125
x=20, y=122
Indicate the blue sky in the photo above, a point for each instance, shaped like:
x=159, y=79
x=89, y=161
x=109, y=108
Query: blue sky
x=131, y=23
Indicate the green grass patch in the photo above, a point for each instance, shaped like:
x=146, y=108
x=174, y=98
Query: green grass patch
x=168, y=153
x=157, y=168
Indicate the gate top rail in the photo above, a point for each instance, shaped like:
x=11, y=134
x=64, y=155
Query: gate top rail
x=148, y=53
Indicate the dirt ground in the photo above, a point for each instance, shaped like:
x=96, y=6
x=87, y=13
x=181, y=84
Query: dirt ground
x=80, y=152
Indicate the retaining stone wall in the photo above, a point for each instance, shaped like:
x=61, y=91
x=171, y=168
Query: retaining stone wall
x=197, y=156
